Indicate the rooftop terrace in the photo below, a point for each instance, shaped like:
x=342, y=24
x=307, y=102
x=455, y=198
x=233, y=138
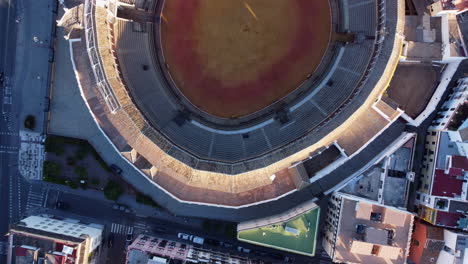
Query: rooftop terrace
x=298, y=235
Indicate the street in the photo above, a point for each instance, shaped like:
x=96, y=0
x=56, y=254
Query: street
x=8, y=123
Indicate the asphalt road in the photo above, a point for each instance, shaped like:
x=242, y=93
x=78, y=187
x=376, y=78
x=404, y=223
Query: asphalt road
x=8, y=125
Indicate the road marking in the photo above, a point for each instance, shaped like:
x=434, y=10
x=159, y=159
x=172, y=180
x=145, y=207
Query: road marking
x=140, y=225
x=35, y=199
x=121, y=229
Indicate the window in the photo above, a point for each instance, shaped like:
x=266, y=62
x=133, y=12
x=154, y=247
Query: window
x=416, y=242
x=434, y=133
x=426, y=186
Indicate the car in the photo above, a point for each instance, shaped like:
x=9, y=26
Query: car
x=110, y=240
x=184, y=236
x=226, y=245
x=198, y=240
x=129, y=237
x=242, y=249
x=62, y=205
x=115, y=169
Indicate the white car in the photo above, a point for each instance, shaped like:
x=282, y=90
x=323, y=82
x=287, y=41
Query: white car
x=184, y=236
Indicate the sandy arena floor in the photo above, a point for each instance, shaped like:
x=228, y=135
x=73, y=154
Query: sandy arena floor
x=231, y=58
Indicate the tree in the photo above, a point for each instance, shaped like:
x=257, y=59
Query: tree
x=113, y=190
x=30, y=122
x=82, y=172
x=51, y=168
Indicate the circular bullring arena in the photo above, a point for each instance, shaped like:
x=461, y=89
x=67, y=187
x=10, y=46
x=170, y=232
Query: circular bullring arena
x=234, y=58
x=216, y=102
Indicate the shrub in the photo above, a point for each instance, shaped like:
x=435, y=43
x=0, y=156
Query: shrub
x=71, y=161
x=82, y=172
x=30, y=122
x=95, y=181
x=113, y=190
x=54, y=179
x=230, y=230
x=146, y=199
x=72, y=184
x=51, y=168
x=82, y=152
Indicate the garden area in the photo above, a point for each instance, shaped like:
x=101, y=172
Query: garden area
x=75, y=163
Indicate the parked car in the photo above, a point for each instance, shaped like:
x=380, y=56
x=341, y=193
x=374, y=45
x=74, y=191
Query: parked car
x=115, y=169
x=194, y=239
x=242, y=249
x=184, y=236
x=198, y=240
x=121, y=207
x=129, y=236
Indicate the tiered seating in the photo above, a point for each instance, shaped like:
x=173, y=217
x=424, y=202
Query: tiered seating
x=331, y=97
x=133, y=52
x=303, y=120
x=256, y=143
x=137, y=54
x=227, y=147
x=356, y=57
x=149, y=5
x=363, y=18
x=189, y=137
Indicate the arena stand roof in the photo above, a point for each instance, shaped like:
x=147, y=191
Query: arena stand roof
x=199, y=160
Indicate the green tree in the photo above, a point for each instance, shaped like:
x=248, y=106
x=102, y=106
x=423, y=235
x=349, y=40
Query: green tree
x=113, y=190
x=30, y=122
x=51, y=168
x=82, y=172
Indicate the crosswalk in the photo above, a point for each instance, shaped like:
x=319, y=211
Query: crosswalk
x=140, y=225
x=121, y=229
x=35, y=198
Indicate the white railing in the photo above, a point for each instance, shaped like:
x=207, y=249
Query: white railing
x=94, y=57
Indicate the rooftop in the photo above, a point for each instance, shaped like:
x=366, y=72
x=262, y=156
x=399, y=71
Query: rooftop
x=446, y=148
x=386, y=182
x=448, y=185
x=360, y=221
x=297, y=235
x=448, y=219
x=427, y=241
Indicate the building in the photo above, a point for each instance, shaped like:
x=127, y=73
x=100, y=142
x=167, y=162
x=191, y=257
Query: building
x=294, y=230
x=361, y=231
x=431, y=244
x=47, y=239
x=442, y=7
x=231, y=161
x=156, y=250
x=388, y=181
x=448, y=118
x=442, y=197
x=426, y=243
